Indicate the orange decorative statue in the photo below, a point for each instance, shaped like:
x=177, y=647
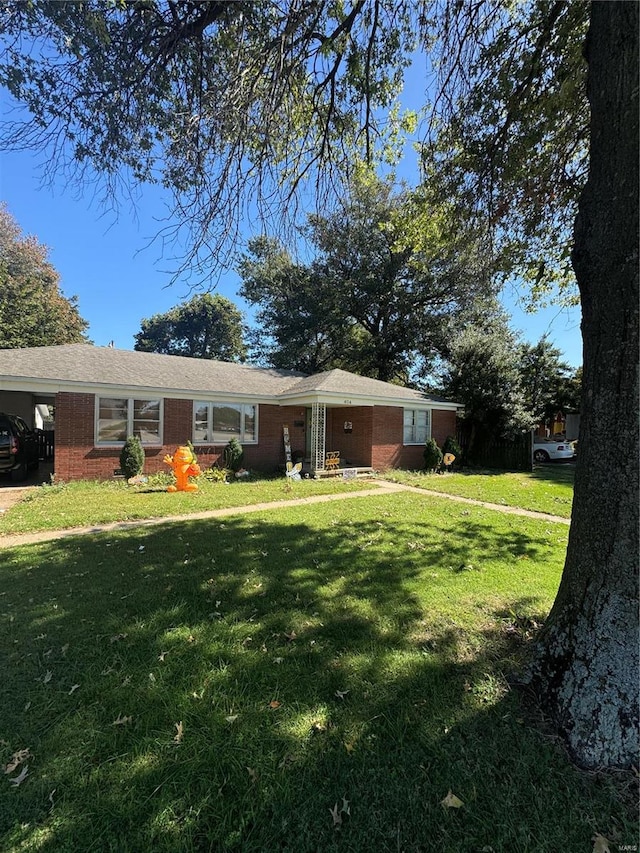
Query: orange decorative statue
x=184, y=465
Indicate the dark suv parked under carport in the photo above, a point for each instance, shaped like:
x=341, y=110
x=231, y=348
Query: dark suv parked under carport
x=19, y=449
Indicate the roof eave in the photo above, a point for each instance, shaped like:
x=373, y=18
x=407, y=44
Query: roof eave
x=333, y=398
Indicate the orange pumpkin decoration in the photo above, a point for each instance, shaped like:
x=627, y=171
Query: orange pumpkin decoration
x=184, y=465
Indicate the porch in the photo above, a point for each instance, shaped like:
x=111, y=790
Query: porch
x=332, y=436
x=338, y=441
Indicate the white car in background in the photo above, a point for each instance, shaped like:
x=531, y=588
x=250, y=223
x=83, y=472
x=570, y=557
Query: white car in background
x=547, y=449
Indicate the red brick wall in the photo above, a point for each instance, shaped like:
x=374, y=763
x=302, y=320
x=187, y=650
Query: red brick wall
x=443, y=424
x=354, y=447
x=268, y=455
x=386, y=437
x=375, y=440
x=76, y=456
x=73, y=434
x=388, y=450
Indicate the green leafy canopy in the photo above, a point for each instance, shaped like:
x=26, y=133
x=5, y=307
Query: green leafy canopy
x=207, y=326
x=33, y=309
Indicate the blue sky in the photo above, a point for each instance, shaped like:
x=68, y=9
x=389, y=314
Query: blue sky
x=111, y=264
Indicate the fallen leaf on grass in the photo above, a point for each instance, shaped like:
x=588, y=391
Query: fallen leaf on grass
x=162, y=656
x=117, y=637
x=18, y=780
x=340, y=694
x=252, y=774
x=17, y=759
x=48, y=676
x=349, y=747
x=231, y=718
x=336, y=813
x=179, y=732
x=451, y=801
x=74, y=687
x=122, y=721
x=600, y=844
x=278, y=660
x=274, y=704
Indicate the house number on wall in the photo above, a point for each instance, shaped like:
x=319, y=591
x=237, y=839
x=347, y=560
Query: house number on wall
x=348, y=402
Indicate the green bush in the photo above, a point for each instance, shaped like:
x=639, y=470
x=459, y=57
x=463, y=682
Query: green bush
x=232, y=455
x=215, y=475
x=432, y=455
x=160, y=480
x=132, y=457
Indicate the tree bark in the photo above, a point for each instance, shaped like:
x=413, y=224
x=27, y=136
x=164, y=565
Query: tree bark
x=585, y=668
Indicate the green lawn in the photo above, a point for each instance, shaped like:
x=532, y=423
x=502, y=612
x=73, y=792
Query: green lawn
x=316, y=678
x=548, y=488
x=83, y=502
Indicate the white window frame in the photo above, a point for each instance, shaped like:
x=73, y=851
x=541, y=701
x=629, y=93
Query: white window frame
x=415, y=438
x=211, y=404
x=157, y=442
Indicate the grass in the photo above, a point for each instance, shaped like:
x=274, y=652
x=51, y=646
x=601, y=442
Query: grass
x=316, y=678
x=547, y=489
x=85, y=503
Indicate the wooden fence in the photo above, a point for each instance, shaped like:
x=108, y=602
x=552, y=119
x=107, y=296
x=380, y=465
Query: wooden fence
x=45, y=444
x=501, y=453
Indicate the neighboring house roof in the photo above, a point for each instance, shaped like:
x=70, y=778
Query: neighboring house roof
x=84, y=367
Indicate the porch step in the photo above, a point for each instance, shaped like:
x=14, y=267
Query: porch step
x=360, y=472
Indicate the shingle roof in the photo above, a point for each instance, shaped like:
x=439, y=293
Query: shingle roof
x=342, y=382
x=85, y=364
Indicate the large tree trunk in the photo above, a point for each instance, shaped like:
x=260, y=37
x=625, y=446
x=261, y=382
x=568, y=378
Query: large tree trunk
x=586, y=666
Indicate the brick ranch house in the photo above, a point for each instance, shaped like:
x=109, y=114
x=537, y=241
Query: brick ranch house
x=100, y=395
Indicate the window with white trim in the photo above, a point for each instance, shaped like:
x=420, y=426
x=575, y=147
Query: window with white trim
x=417, y=426
x=217, y=423
x=119, y=417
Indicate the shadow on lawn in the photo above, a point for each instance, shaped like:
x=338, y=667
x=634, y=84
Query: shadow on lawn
x=306, y=665
x=559, y=471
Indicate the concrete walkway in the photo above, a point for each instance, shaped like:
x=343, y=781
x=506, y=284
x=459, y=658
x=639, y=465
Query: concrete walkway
x=8, y=498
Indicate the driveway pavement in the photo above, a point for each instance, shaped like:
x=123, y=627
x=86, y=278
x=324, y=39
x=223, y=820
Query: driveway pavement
x=11, y=493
